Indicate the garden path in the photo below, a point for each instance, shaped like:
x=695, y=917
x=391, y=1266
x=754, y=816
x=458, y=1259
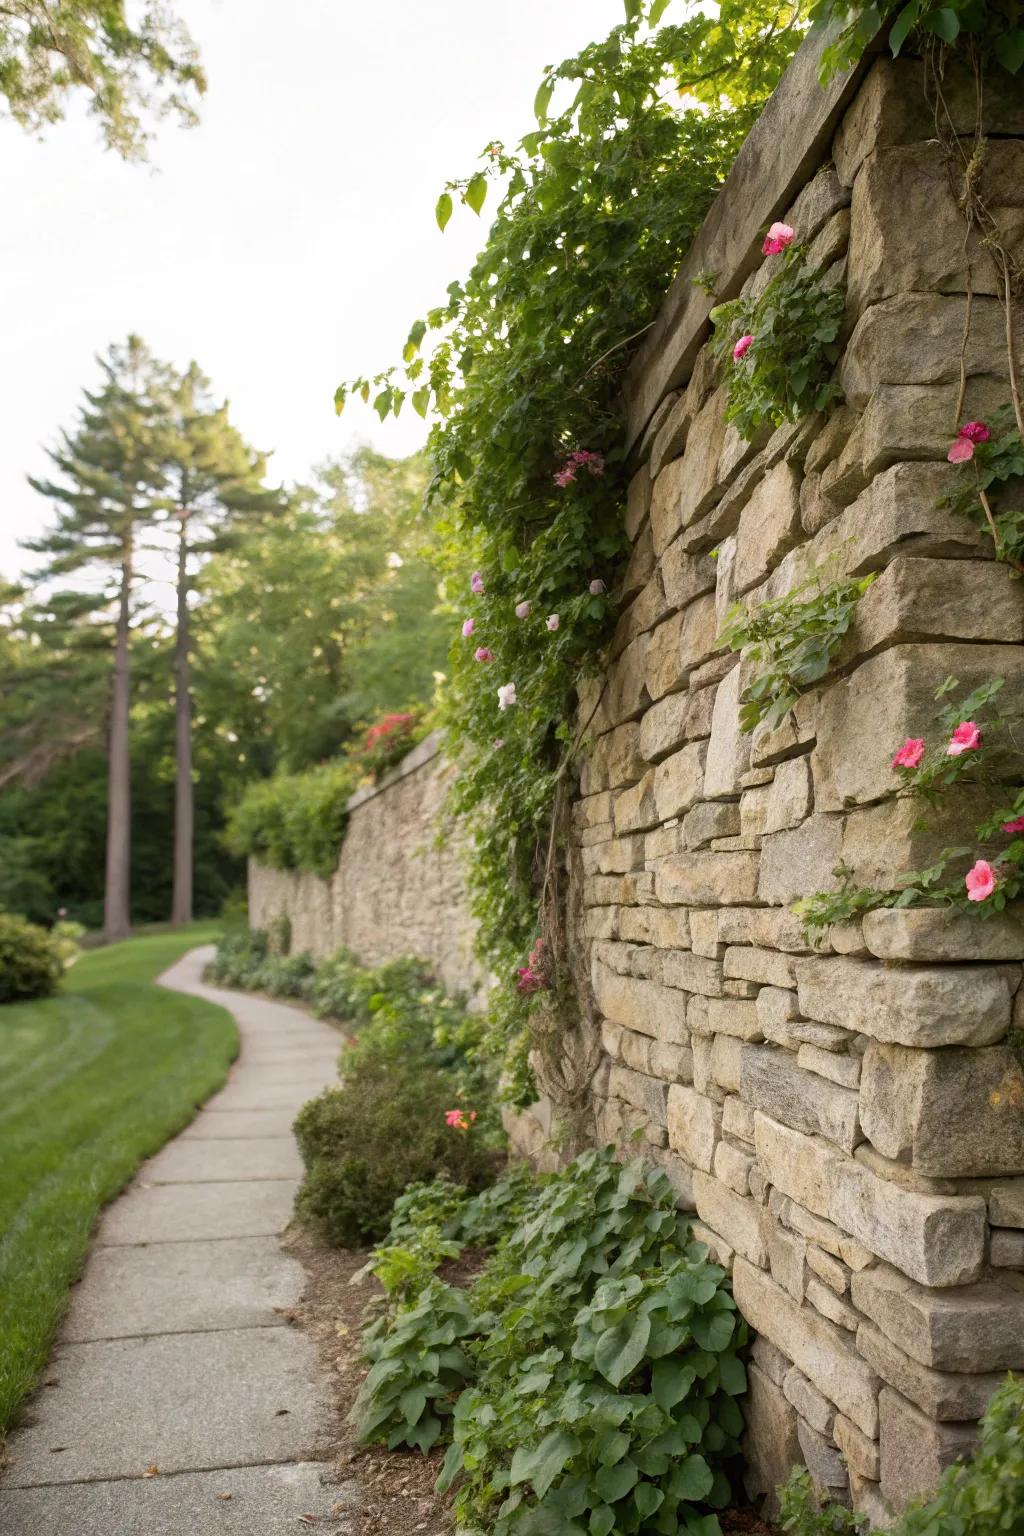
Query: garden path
x=178, y=1400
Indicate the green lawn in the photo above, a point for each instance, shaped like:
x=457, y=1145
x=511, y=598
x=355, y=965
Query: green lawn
x=92, y=1081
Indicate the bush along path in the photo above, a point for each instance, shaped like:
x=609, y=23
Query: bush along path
x=178, y=1399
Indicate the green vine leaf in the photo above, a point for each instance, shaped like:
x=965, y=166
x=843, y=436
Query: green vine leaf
x=443, y=211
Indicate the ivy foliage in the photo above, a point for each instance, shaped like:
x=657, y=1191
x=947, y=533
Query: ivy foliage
x=993, y=27
x=587, y=1379
x=790, y=643
x=791, y=329
x=522, y=364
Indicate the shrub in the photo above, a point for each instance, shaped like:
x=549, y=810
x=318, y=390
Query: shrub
x=30, y=960
x=980, y=1497
x=387, y=742
x=284, y=975
x=382, y=1129
x=238, y=958
x=295, y=820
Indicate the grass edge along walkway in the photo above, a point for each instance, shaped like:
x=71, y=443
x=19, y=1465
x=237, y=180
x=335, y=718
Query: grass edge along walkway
x=93, y=1081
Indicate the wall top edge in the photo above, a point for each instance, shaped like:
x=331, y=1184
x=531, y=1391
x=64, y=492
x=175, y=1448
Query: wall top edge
x=422, y=754
x=780, y=153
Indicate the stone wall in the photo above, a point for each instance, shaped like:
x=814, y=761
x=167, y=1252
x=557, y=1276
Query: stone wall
x=847, y=1123
x=396, y=891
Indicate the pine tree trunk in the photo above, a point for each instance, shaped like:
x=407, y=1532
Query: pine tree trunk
x=117, y=894
x=184, y=809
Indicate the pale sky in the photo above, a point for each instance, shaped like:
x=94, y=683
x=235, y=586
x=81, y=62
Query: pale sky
x=288, y=241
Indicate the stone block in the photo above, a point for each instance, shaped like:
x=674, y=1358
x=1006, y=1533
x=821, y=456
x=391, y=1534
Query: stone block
x=638, y=502
x=620, y=855
x=709, y=820
x=824, y=1353
x=1006, y=1202
x=976, y=1327
x=729, y=748
x=624, y=760
x=768, y=528
x=809, y=1403
x=771, y=1447
x=664, y=927
x=665, y=503
x=803, y=1167
x=738, y=1119
x=691, y=973
x=916, y=338
x=685, y=576
x=935, y=933
x=831, y=1306
x=626, y=696
x=644, y=1093
x=822, y=1459
x=707, y=878
x=766, y=966
x=635, y=808
x=1007, y=1248
x=726, y=1061
x=837, y=1068
x=801, y=861
x=732, y=1167
x=771, y=929
x=732, y=1216
x=702, y=482
x=672, y=1063
x=859, y=1453
x=641, y=568
x=777, y=1008
x=938, y=1240
x=898, y=514
x=790, y=796
x=910, y=1098
x=664, y=727
x=704, y=933
x=908, y=1004
x=947, y=1396
x=671, y=429
x=634, y=1051
x=679, y=645
x=734, y=1016
x=694, y=1125
x=700, y=710
x=829, y=1270
x=775, y=1084
x=915, y=1450
x=678, y=780
x=921, y=599
x=645, y=1006
x=787, y=1253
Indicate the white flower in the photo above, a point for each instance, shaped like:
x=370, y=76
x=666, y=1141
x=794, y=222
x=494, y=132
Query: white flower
x=506, y=695
x=523, y=610
x=552, y=621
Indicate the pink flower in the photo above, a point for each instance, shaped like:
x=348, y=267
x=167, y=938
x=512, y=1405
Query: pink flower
x=975, y=432
x=910, y=754
x=961, y=451
x=530, y=981
x=1014, y=826
x=468, y=628
x=523, y=610
x=498, y=742
x=980, y=881
x=742, y=347
x=583, y=458
x=506, y=696
x=964, y=739
x=777, y=239
x=482, y=653
x=552, y=621
x=456, y=1118
x=597, y=586
x=476, y=582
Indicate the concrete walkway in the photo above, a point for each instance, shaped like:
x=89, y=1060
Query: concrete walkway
x=178, y=1402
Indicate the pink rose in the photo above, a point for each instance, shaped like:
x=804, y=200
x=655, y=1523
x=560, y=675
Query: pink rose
x=1014, y=826
x=961, y=451
x=457, y=1118
x=523, y=610
x=980, y=881
x=499, y=742
x=597, y=586
x=742, y=347
x=476, y=582
x=964, y=739
x=482, y=653
x=468, y=628
x=777, y=239
x=552, y=621
x=910, y=754
x=975, y=432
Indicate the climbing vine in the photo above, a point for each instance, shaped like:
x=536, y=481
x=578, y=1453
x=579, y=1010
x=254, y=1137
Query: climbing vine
x=522, y=366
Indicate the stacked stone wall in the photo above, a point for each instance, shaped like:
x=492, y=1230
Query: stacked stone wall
x=847, y=1122
x=399, y=888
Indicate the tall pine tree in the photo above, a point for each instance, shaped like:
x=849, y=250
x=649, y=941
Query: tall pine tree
x=110, y=488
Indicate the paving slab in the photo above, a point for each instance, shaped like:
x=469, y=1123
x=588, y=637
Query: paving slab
x=181, y=1288
x=227, y=1124
x=271, y=1096
x=244, y=1501
x=186, y=1212
x=179, y=1402
x=192, y=1162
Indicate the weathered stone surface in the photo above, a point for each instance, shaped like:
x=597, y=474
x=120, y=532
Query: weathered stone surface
x=911, y=1098
x=686, y=576
x=694, y=1125
x=679, y=645
x=635, y=807
x=787, y=1255
x=664, y=927
x=734, y=1016
x=829, y=1270
x=710, y=820
x=771, y=1446
x=729, y=748
x=774, y=1083
x=704, y=878
x=626, y=696
x=822, y=1459
x=914, y=1449
x=727, y=1061
x=1006, y=1203
x=916, y=338
x=734, y=1216
x=935, y=933
x=947, y=1396
x=645, y=1006
x=732, y=1166
x=768, y=527
x=801, y=861
x=763, y=926
x=690, y=972
x=802, y=1167
x=664, y=505
x=644, y=1093
x=859, y=1453
x=844, y=1070
x=670, y=430
x=918, y=599
x=831, y=1306
x=678, y=780
x=938, y=1240
x=908, y=1005
x=824, y=1353
x=808, y=1402
x=976, y=1327
x=663, y=727
x=1007, y=1249
x=762, y=965
x=638, y=502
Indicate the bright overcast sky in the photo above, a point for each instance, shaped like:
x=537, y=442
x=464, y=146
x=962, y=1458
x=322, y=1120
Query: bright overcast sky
x=285, y=243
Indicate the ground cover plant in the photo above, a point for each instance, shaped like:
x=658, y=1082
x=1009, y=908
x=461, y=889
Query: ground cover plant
x=31, y=960
x=586, y=1380
x=92, y=1081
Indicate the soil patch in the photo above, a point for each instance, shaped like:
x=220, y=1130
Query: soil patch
x=397, y=1487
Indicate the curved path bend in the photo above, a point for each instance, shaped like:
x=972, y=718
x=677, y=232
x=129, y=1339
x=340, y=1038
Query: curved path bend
x=178, y=1400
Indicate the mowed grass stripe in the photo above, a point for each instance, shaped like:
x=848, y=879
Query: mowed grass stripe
x=92, y=1082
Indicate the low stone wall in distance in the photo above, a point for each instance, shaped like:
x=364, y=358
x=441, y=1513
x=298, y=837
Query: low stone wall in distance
x=396, y=890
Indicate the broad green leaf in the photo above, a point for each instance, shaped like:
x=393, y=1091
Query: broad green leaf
x=944, y=22
x=713, y=1332
x=443, y=211
x=601, y=1520
x=412, y=1403
x=670, y=1382
x=1009, y=50
x=542, y=100
x=421, y=400
x=540, y=1464
x=692, y=1479
x=477, y=191
x=732, y=1374
x=620, y=1349
x=613, y=1483
x=647, y=1499
x=657, y=11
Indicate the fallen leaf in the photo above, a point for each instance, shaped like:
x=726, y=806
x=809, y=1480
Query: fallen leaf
x=153, y=1471
x=225, y=1496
